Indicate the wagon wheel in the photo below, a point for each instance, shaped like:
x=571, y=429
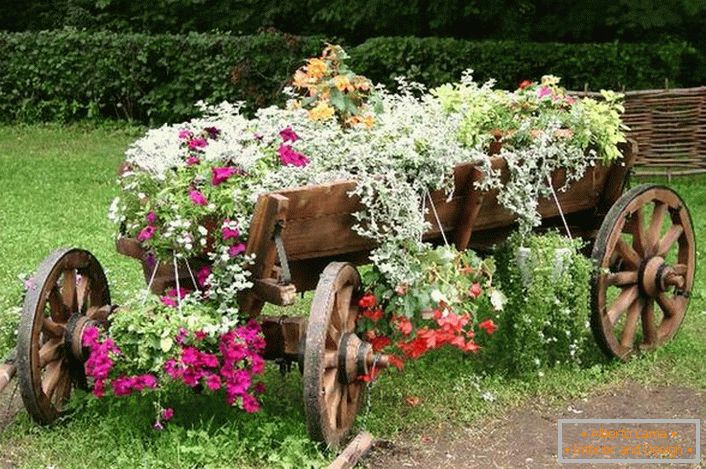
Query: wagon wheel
x=69, y=292
x=645, y=252
x=334, y=356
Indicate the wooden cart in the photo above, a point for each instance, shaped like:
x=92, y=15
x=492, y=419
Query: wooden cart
x=644, y=250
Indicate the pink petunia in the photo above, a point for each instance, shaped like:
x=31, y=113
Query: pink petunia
x=192, y=160
x=197, y=197
x=167, y=414
x=185, y=134
x=220, y=175
x=250, y=404
x=213, y=382
x=289, y=135
x=151, y=218
x=236, y=249
x=290, y=157
x=171, y=302
x=146, y=233
x=197, y=143
x=229, y=233
x=202, y=275
x=543, y=92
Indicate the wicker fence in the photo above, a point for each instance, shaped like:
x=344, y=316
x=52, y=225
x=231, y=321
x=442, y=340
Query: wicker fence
x=670, y=128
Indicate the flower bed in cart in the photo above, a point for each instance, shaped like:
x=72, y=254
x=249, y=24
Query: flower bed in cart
x=189, y=192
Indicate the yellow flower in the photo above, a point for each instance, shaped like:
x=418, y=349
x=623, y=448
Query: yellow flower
x=322, y=111
x=368, y=120
x=343, y=83
x=301, y=79
x=316, y=68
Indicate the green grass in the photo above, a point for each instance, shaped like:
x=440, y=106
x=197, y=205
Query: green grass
x=57, y=184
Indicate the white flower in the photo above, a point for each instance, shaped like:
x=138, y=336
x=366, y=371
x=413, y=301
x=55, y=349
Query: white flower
x=497, y=299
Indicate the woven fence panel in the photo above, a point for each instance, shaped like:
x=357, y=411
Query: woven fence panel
x=669, y=127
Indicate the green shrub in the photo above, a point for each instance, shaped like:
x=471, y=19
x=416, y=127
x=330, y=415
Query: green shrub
x=545, y=320
x=614, y=65
x=68, y=75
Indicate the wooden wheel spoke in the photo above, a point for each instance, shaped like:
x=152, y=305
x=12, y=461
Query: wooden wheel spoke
x=330, y=359
x=649, y=329
x=56, y=305
x=342, y=411
x=68, y=291
x=54, y=371
x=99, y=314
x=668, y=240
x=620, y=279
x=680, y=269
x=50, y=352
x=52, y=328
x=628, y=254
x=83, y=290
x=637, y=229
x=343, y=307
x=655, y=227
x=627, y=338
x=622, y=302
x=668, y=305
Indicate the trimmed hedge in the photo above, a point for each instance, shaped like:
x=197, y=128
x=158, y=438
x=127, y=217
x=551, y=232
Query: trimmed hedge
x=68, y=75
x=435, y=61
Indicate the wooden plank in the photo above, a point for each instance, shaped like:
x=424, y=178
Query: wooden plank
x=469, y=211
x=270, y=291
x=355, y=450
x=617, y=175
x=269, y=210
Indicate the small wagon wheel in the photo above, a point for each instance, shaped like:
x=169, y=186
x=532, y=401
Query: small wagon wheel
x=645, y=253
x=69, y=291
x=334, y=356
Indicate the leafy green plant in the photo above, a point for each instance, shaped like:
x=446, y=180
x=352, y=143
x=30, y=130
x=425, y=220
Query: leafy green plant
x=545, y=322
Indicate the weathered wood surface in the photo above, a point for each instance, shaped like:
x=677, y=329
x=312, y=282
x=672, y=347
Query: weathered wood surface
x=355, y=450
x=320, y=218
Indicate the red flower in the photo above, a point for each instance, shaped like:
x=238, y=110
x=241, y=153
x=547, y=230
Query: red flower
x=395, y=361
x=374, y=315
x=404, y=325
x=380, y=343
x=367, y=301
x=475, y=290
x=415, y=348
x=524, y=84
x=488, y=326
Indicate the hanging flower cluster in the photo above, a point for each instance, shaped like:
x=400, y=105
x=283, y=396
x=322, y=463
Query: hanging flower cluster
x=232, y=369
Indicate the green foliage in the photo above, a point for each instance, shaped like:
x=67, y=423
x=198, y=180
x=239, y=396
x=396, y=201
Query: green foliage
x=435, y=61
x=545, y=322
x=67, y=75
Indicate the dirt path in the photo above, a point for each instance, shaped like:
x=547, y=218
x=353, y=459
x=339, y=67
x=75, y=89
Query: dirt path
x=527, y=436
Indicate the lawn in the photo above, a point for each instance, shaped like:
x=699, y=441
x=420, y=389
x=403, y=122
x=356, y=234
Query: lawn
x=57, y=184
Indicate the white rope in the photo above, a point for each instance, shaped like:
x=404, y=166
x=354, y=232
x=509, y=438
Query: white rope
x=558, y=206
x=149, y=284
x=438, y=221
x=178, y=287
x=191, y=274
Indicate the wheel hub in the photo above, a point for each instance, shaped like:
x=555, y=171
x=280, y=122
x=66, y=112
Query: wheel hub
x=656, y=276
x=73, y=335
x=356, y=358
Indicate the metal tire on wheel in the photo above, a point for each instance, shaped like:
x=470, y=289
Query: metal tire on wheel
x=645, y=253
x=332, y=392
x=68, y=292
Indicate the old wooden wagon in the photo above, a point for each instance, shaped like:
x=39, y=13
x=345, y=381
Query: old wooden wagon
x=643, y=247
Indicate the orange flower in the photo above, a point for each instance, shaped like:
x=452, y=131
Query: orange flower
x=316, y=68
x=342, y=83
x=322, y=111
x=368, y=121
x=301, y=79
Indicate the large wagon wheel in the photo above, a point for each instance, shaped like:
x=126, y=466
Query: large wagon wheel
x=69, y=292
x=645, y=253
x=334, y=356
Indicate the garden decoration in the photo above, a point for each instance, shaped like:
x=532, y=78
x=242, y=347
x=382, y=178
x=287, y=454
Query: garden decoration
x=227, y=213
